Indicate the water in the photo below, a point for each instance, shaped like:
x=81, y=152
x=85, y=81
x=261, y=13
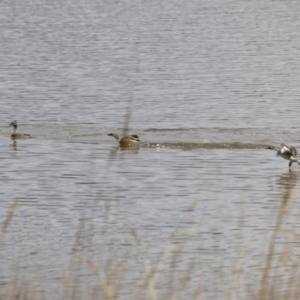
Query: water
x=206, y=85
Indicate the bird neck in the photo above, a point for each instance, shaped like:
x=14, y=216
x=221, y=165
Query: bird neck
x=14, y=130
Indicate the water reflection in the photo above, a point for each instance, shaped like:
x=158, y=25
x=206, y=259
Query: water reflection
x=114, y=151
x=14, y=144
x=288, y=182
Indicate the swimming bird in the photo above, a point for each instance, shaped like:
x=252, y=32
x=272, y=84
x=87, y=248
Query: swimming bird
x=127, y=141
x=286, y=152
x=15, y=135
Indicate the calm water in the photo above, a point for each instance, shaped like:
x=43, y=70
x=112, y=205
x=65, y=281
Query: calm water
x=207, y=85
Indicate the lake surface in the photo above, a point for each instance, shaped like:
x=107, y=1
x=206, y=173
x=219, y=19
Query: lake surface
x=207, y=85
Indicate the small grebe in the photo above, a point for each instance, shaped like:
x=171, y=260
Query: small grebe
x=15, y=135
x=127, y=141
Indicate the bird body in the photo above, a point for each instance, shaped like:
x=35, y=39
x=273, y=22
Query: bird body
x=127, y=141
x=286, y=152
x=15, y=135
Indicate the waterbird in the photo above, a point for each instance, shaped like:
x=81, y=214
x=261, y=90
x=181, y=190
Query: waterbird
x=286, y=152
x=15, y=135
x=127, y=141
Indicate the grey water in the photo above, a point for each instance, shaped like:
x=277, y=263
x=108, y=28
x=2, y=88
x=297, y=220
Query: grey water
x=207, y=85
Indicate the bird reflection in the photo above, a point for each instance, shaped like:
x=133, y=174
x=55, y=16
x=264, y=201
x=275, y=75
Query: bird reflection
x=114, y=151
x=130, y=149
x=14, y=144
x=288, y=183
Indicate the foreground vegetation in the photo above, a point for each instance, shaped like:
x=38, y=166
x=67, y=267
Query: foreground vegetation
x=134, y=275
